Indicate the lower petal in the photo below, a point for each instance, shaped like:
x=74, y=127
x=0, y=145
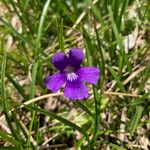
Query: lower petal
x=89, y=74
x=55, y=82
x=75, y=90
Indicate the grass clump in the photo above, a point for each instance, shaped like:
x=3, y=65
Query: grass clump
x=114, y=36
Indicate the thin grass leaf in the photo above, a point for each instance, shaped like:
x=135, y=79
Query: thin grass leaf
x=17, y=86
x=140, y=100
x=145, y=78
x=41, y=26
x=17, y=33
x=84, y=108
x=123, y=9
x=115, y=146
x=122, y=56
x=115, y=8
x=25, y=40
x=39, y=36
x=102, y=62
x=61, y=37
x=97, y=101
x=90, y=48
x=3, y=93
x=116, y=77
x=59, y=118
x=36, y=63
x=9, y=139
x=136, y=119
x=96, y=12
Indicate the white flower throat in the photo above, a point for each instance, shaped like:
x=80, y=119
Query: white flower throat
x=71, y=76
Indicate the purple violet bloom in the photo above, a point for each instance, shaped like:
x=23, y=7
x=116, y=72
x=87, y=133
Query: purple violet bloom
x=72, y=74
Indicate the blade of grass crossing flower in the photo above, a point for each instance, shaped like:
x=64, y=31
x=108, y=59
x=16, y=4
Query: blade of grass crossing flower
x=136, y=119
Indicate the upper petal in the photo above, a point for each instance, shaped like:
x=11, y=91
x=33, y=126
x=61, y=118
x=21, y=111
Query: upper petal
x=75, y=90
x=88, y=74
x=60, y=60
x=75, y=57
x=55, y=82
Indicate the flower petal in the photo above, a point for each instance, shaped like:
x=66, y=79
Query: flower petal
x=55, y=82
x=75, y=90
x=75, y=57
x=88, y=74
x=60, y=61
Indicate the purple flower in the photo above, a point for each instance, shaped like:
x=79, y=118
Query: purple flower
x=72, y=74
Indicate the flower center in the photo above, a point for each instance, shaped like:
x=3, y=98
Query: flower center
x=71, y=76
x=69, y=71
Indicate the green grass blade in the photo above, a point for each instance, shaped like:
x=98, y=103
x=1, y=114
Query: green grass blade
x=116, y=77
x=97, y=101
x=90, y=48
x=115, y=146
x=122, y=57
x=59, y=118
x=3, y=92
x=123, y=8
x=41, y=26
x=17, y=34
x=84, y=108
x=36, y=63
x=102, y=62
x=9, y=139
x=17, y=86
x=136, y=119
x=61, y=37
x=146, y=76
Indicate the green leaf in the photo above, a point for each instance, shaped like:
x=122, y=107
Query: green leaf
x=61, y=37
x=59, y=118
x=116, y=146
x=122, y=57
x=136, y=119
x=97, y=101
x=84, y=108
x=3, y=92
x=9, y=139
x=116, y=77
